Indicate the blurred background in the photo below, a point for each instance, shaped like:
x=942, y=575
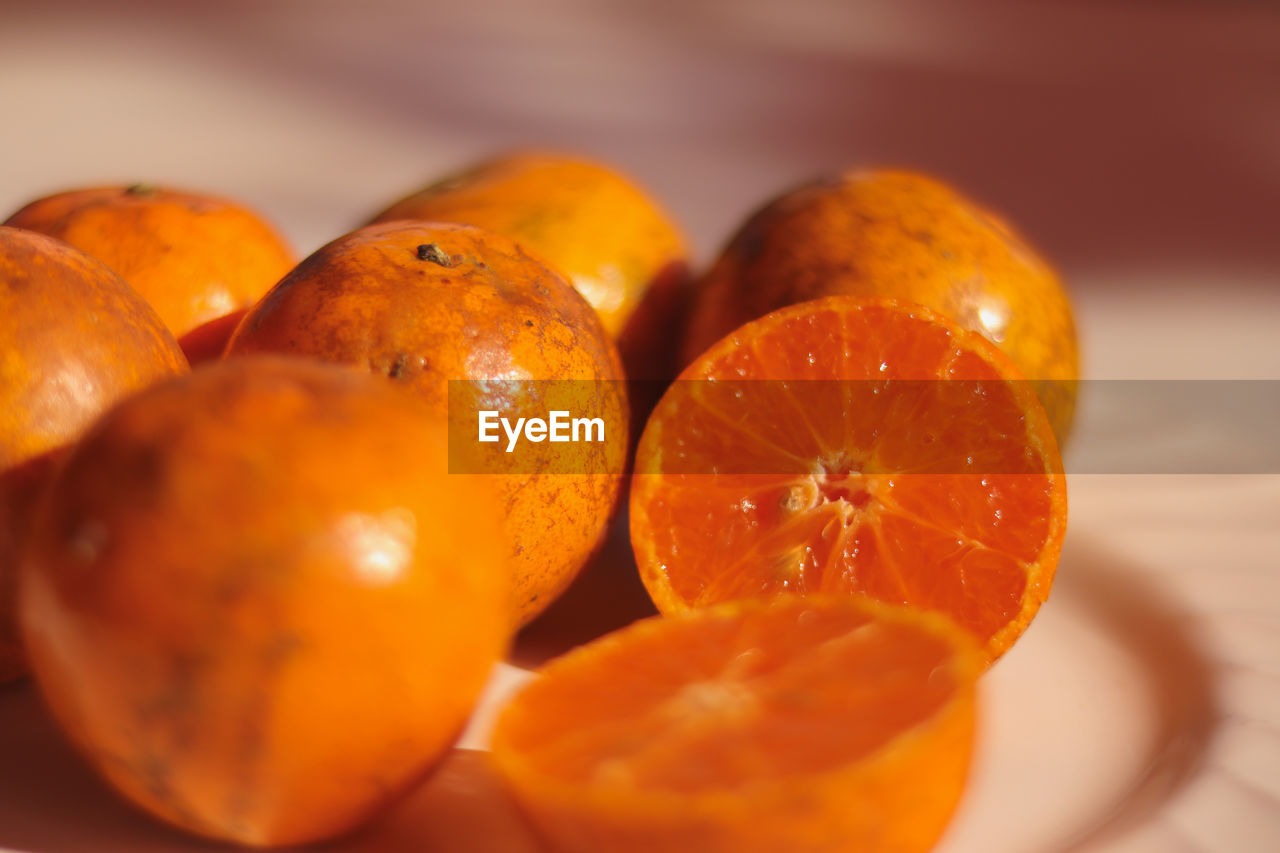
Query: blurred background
x=1136, y=143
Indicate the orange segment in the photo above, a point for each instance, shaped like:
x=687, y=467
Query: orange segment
x=857, y=446
x=829, y=723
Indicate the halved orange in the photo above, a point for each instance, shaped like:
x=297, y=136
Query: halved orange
x=829, y=723
x=858, y=446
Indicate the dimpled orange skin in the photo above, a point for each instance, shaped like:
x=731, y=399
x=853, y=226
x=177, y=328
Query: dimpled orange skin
x=904, y=235
x=193, y=256
x=258, y=604
x=480, y=309
x=74, y=338
x=610, y=238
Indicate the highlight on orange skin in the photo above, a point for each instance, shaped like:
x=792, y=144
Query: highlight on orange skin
x=258, y=603
x=426, y=303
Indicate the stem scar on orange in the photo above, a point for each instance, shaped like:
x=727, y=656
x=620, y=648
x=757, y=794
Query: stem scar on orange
x=258, y=603
x=800, y=725
x=591, y=223
x=898, y=234
x=853, y=445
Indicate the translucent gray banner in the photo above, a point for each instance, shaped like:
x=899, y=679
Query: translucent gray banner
x=888, y=426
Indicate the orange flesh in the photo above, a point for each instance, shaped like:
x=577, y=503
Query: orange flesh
x=712, y=703
x=946, y=495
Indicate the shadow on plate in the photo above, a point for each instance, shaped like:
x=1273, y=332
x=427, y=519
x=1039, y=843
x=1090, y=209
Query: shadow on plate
x=606, y=596
x=1127, y=603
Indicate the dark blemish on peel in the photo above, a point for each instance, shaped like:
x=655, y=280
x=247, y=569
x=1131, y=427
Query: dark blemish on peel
x=399, y=365
x=433, y=253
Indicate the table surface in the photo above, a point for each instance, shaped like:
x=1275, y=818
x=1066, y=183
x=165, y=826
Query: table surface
x=1138, y=144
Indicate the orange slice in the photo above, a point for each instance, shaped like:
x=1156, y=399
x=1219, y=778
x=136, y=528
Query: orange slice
x=820, y=724
x=856, y=446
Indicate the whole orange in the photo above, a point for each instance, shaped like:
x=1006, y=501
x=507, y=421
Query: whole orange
x=425, y=303
x=193, y=256
x=258, y=603
x=902, y=235
x=74, y=338
x=590, y=222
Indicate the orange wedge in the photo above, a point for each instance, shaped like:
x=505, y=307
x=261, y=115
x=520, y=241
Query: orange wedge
x=821, y=724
